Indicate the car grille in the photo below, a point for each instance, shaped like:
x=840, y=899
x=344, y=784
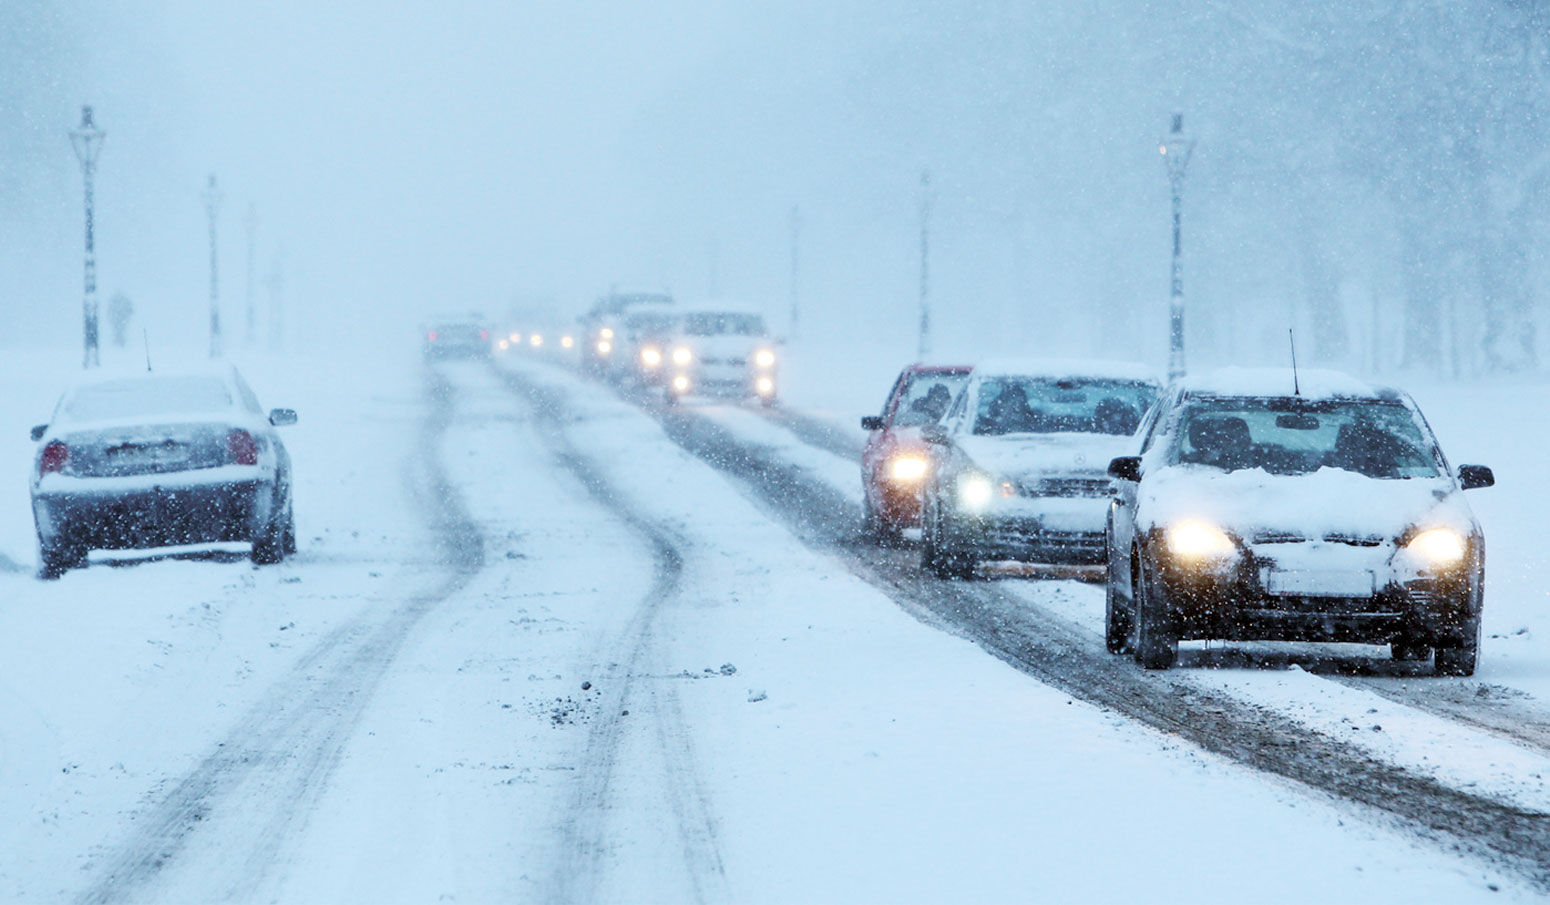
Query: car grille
x=1065, y=487
x=1334, y=537
x=713, y=360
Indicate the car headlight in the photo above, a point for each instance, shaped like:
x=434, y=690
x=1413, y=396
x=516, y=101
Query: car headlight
x=537, y=339
x=504, y=345
x=682, y=355
x=567, y=341
x=1197, y=540
x=907, y=468
x=604, y=347
x=651, y=356
x=606, y=333
x=974, y=492
x=764, y=386
x=1439, y=546
x=516, y=337
x=681, y=383
x=764, y=358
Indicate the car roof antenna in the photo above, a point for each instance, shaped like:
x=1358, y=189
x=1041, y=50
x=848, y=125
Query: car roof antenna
x=145, y=337
x=1296, y=387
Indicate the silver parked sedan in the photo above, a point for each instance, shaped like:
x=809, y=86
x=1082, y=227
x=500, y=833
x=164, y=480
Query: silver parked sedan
x=159, y=460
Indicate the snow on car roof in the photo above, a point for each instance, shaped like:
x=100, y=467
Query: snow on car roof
x=1311, y=383
x=1065, y=367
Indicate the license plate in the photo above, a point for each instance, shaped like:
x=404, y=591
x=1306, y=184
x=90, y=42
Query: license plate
x=1321, y=583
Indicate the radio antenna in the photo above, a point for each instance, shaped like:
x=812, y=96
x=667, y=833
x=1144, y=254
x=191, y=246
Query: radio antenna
x=145, y=337
x=1296, y=387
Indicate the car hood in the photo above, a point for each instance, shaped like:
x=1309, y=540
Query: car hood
x=1017, y=455
x=1328, y=502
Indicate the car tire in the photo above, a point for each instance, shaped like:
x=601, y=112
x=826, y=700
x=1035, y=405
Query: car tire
x=878, y=529
x=54, y=560
x=939, y=555
x=1157, y=640
x=1116, y=622
x=269, y=543
x=767, y=401
x=289, y=545
x=1460, y=658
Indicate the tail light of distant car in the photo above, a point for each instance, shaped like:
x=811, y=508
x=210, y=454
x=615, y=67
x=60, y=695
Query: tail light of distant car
x=242, y=448
x=484, y=334
x=54, y=457
x=431, y=336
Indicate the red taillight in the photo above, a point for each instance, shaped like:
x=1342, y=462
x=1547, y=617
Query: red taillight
x=431, y=336
x=242, y=447
x=484, y=334
x=54, y=457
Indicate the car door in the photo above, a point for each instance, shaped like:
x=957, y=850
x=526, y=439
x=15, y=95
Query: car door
x=1122, y=506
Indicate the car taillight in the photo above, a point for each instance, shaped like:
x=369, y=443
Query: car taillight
x=54, y=457
x=242, y=447
x=484, y=334
x=431, y=336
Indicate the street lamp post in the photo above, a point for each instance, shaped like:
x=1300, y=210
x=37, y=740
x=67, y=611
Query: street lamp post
x=212, y=200
x=252, y=314
x=1175, y=150
x=796, y=239
x=925, y=266
x=87, y=141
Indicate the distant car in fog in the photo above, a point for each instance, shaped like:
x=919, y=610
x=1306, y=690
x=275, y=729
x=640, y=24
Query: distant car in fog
x=1308, y=508
x=601, y=325
x=1018, y=465
x=457, y=336
x=644, y=346
x=722, y=352
x=895, y=461
x=158, y=460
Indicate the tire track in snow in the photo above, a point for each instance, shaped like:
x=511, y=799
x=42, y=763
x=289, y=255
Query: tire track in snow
x=253, y=792
x=584, y=845
x=1066, y=656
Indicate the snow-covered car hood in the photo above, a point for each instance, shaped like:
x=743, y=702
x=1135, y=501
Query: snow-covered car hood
x=1019, y=454
x=1330, y=501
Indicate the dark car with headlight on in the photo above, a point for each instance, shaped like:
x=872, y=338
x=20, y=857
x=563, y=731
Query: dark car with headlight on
x=160, y=460
x=1018, y=465
x=894, y=462
x=1268, y=505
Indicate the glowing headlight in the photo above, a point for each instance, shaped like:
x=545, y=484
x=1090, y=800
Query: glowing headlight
x=516, y=337
x=975, y=491
x=682, y=355
x=1199, y=540
x=764, y=358
x=503, y=345
x=764, y=386
x=537, y=339
x=567, y=341
x=681, y=383
x=604, y=347
x=651, y=356
x=1438, y=546
x=907, y=468
x=606, y=333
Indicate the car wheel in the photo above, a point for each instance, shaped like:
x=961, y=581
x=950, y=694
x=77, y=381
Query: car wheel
x=1116, y=622
x=940, y=555
x=269, y=543
x=1459, y=659
x=767, y=401
x=55, y=559
x=878, y=529
x=1157, y=641
x=289, y=545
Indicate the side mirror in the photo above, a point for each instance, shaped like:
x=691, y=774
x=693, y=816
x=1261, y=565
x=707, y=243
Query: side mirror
x=868, y=423
x=282, y=417
x=1126, y=468
x=1473, y=477
x=38, y=430
x=934, y=433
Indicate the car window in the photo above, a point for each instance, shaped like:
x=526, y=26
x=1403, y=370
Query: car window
x=927, y=398
x=723, y=324
x=1040, y=405
x=1375, y=438
x=142, y=396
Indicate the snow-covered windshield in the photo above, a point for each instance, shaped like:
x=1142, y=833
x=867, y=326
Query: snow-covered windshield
x=723, y=324
x=1043, y=405
x=927, y=397
x=1375, y=438
x=142, y=396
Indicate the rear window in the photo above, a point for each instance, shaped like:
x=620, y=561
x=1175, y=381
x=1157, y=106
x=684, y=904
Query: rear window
x=138, y=397
x=1040, y=405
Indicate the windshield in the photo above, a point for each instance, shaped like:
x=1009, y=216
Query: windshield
x=723, y=324
x=1045, y=405
x=147, y=396
x=926, y=398
x=1287, y=436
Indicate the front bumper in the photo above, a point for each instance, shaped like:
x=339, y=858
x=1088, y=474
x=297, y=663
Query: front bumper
x=144, y=518
x=1049, y=530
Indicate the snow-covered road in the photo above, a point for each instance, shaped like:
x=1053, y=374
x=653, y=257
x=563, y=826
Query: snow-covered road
x=546, y=644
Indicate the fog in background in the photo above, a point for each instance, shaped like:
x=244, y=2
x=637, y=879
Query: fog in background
x=1373, y=174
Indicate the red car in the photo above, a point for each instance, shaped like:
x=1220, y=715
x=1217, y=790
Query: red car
x=893, y=466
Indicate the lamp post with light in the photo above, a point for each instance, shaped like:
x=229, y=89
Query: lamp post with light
x=1175, y=151
x=87, y=141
